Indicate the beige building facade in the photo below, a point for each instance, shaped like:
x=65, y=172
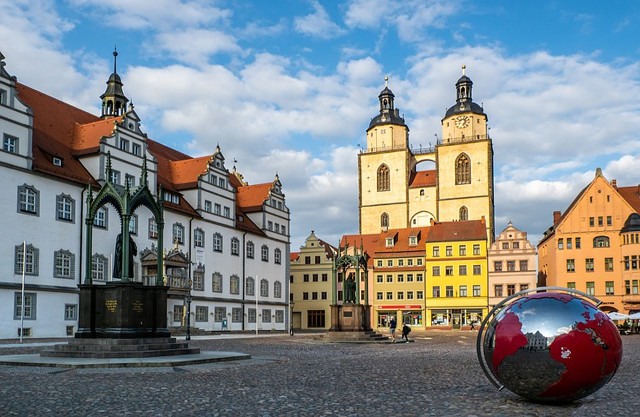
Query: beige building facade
x=311, y=284
x=399, y=186
x=512, y=265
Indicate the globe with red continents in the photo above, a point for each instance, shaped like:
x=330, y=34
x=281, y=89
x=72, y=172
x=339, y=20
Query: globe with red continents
x=549, y=346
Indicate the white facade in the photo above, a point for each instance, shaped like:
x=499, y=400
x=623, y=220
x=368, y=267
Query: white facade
x=44, y=193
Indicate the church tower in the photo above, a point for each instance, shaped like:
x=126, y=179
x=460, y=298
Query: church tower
x=114, y=102
x=383, y=169
x=464, y=161
x=395, y=193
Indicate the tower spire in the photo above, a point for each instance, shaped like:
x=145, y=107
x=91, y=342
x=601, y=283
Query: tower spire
x=114, y=102
x=115, y=60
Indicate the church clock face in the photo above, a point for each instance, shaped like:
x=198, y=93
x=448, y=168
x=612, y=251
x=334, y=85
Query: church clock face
x=462, y=122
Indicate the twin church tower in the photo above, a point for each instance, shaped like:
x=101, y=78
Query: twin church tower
x=400, y=187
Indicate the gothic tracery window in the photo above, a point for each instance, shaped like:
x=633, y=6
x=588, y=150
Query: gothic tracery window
x=384, y=220
x=463, y=170
x=383, y=178
x=464, y=213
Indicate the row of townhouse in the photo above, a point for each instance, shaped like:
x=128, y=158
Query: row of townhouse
x=441, y=276
x=226, y=243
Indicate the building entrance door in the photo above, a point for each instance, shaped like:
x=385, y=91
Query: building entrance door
x=456, y=320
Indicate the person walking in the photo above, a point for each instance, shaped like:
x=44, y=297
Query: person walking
x=405, y=332
x=392, y=329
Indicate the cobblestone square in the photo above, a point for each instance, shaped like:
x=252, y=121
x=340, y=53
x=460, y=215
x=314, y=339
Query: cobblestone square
x=436, y=375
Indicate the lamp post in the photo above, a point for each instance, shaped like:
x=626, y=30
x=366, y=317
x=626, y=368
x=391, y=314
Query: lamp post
x=291, y=303
x=188, y=299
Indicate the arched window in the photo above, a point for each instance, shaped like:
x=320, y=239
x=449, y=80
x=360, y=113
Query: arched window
x=463, y=170
x=601, y=242
x=383, y=178
x=384, y=220
x=464, y=213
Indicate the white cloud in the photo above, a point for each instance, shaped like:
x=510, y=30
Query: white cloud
x=318, y=24
x=553, y=118
x=156, y=15
x=193, y=46
x=409, y=18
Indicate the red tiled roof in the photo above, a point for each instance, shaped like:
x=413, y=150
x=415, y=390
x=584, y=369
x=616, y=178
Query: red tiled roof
x=329, y=249
x=66, y=132
x=185, y=173
x=632, y=196
x=87, y=136
x=252, y=197
x=457, y=231
x=423, y=179
x=401, y=241
x=244, y=223
x=293, y=256
x=54, y=125
x=368, y=243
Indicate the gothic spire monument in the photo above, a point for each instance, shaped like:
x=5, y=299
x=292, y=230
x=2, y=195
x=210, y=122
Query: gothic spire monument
x=404, y=186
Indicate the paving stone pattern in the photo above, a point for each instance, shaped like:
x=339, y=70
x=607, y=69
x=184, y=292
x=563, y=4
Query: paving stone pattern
x=437, y=375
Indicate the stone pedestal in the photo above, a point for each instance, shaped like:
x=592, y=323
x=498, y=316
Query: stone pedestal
x=122, y=311
x=350, y=318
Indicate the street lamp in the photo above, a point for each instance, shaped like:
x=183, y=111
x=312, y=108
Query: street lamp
x=188, y=299
x=291, y=303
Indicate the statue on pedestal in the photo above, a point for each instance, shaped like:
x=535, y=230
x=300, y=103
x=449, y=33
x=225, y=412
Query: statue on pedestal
x=117, y=261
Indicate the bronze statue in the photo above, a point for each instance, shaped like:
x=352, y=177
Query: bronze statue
x=117, y=261
x=349, y=290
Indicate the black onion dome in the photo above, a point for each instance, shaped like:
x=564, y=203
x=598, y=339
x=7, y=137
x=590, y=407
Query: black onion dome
x=464, y=98
x=632, y=224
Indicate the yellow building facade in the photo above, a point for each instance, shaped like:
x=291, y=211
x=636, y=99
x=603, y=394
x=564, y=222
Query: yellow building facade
x=594, y=245
x=398, y=186
x=456, y=274
x=311, y=284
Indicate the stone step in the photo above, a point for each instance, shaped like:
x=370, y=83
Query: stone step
x=120, y=354
x=119, y=347
x=123, y=341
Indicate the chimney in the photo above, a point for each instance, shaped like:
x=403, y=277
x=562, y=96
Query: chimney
x=614, y=183
x=556, y=217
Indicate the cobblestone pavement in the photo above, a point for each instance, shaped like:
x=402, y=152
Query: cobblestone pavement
x=437, y=375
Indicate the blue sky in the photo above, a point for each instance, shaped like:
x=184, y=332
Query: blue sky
x=289, y=87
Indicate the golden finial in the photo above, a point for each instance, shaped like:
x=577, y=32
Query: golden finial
x=386, y=82
x=464, y=67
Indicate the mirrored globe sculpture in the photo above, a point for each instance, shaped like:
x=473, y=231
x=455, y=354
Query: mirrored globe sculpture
x=550, y=345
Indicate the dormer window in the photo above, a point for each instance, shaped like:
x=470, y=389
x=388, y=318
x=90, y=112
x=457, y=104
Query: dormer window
x=389, y=242
x=57, y=161
x=413, y=240
x=173, y=198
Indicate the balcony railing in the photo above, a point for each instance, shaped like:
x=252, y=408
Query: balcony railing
x=631, y=299
x=173, y=281
x=419, y=150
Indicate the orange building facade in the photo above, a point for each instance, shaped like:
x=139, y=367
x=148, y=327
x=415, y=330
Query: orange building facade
x=594, y=246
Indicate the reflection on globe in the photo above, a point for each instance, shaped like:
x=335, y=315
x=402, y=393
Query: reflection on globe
x=552, y=347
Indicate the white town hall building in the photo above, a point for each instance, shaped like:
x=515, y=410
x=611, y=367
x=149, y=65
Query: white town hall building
x=226, y=242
